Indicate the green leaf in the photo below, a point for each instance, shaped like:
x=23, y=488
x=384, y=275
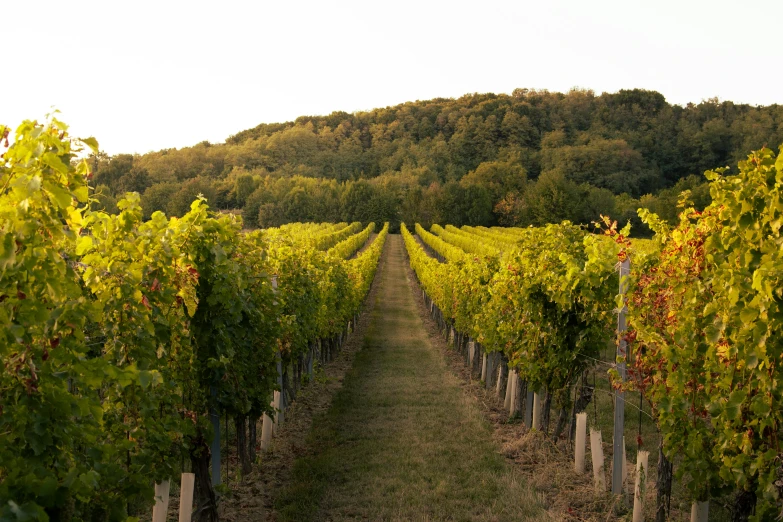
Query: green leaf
x=62, y=197
x=48, y=487
x=733, y=295
x=734, y=404
x=17, y=331
x=50, y=159
x=748, y=314
x=28, y=511
x=145, y=378
x=92, y=143
x=760, y=407
x=97, y=412
x=84, y=244
x=82, y=194
x=713, y=334
x=7, y=251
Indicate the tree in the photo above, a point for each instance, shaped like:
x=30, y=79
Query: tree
x=137, y=179
x=157, y=197
x=553, y=199
x=243, y=187
x=180, y=202
x=499, y=177
x=109, y=173
x=297, y=206
x=458, y=205
x=104, y=200
x=609, y=164
x=631, y=142
x=355, y=201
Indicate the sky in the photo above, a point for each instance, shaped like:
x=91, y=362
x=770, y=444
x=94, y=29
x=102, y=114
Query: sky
x=142, y=76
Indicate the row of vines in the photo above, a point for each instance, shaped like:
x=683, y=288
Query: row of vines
x=704, y=305
x=121, y=336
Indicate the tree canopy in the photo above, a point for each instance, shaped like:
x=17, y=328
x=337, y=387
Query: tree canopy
x=528, y=157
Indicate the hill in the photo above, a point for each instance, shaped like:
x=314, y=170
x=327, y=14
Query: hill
x=528, y=157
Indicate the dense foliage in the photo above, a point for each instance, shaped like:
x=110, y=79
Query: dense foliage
x=707, y=321
x=531, y=157
x=540, y=298
x=120, y=334
x=704, y=314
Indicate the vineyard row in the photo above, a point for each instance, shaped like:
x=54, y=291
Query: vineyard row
x=124, y=340
x=704, y=308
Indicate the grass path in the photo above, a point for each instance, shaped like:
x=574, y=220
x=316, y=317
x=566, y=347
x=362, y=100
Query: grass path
x=401, y=440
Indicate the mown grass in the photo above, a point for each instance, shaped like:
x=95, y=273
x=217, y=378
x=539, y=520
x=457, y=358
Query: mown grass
x=401, y=441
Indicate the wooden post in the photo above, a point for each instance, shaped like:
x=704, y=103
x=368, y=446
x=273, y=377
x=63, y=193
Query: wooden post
x=492, y=374
x=641, y=486
x=215, y=447
x=186, y=497
x=581, y=443
x=700, y=511
x=161, y=507
x=267, y=426
x=471, y=353
x=507, y=401
x=484, y=368
x=280, y=404
x=499, y=384
x=536, y=411
x=619, y=401
x=512, y=403
x=597, y=452
x=529, y=407
x=516, y=398
x=276, y=402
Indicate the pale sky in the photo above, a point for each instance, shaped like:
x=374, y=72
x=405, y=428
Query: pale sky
x=143, y=75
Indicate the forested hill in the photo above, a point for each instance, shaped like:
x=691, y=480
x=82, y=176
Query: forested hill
x=527, y=157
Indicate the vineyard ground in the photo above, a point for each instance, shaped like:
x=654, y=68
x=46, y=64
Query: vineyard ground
x=401, y=441
x=252, y=499
x=546, y=467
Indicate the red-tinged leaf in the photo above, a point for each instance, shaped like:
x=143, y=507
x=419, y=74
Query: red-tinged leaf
x=146, y=302
x=21, y=295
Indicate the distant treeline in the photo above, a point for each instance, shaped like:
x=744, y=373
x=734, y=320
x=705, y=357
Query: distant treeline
x=531, y=157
